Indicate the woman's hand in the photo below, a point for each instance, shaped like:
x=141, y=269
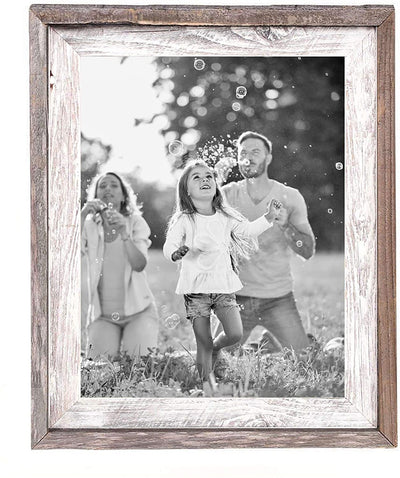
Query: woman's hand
x=117, y=221
x=93, y=207
x=179, y=253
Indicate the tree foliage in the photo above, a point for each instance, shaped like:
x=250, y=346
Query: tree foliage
x=93, y=154
x=298, y=103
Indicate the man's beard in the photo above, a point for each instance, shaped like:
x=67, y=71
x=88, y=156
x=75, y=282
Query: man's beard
x=250, y=172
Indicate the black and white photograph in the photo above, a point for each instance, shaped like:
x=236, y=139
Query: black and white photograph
x=212, y=226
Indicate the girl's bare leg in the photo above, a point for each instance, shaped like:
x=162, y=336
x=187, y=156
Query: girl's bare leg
x=202, y=332
x=232, y=325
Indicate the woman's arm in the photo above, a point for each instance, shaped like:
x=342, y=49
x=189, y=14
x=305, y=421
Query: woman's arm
x=136, y=258
x=91, y=207
x=140, y=231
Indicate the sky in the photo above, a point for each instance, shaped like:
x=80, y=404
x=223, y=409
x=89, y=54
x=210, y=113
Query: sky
x=113, y=94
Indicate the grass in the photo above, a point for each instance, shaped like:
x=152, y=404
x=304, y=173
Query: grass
x=170, y=370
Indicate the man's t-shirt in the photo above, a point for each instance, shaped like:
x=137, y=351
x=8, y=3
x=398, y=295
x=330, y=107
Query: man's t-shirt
x=267, y=274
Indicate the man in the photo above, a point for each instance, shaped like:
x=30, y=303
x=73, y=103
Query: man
x=267, y=295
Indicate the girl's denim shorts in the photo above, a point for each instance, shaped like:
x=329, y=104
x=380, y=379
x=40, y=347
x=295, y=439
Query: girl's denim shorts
x=201, y=305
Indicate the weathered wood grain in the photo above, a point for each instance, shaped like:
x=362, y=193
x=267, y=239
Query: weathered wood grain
x=360, y=227
x=64, y=232
x=125, y=40
x=178, y=438
x=38, y=151
x=386, y=234
x=127, y=413
x=181, y=413
x=360, y=125
x=63, y=174
x=298, y=15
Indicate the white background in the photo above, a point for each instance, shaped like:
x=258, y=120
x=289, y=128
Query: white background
x=16, y=458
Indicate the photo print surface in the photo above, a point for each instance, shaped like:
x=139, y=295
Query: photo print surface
x=212, y=195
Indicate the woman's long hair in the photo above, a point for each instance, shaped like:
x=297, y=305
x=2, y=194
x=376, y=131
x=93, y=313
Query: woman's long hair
x=240, y=247
x=129, y=205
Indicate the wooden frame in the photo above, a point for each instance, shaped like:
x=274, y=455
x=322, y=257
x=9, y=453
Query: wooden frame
x=367, y=416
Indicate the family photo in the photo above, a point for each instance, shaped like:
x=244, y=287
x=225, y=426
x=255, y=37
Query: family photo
x=212, y=227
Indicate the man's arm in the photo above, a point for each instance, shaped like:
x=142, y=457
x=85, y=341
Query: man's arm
x=297, y=229
x=300, y=239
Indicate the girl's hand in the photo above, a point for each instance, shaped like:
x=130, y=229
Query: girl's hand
x=93, y=207
x=179, y=253
x=117, y=221
x=275, y=211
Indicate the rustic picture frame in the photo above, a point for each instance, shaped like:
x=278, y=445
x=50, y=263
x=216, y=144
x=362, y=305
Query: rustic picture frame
x=367, y=416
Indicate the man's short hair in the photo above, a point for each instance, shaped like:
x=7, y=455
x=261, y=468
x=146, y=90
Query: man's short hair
x=253, y=134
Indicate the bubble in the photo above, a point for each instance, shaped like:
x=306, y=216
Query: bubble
x=339, y=166
x=175, y=147
x=172, y=321
x=110, y=205
x=335, y=96
x=299, y=243
x=113, y=231
x=199, y=64
x=115, y=316
x=241, y=92
x=330, y=211
x=235, y=143
x=236, y=106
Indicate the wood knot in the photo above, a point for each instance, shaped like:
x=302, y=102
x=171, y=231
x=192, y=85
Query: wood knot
x=274, y=33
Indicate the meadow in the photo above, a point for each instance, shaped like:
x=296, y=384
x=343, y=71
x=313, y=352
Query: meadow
x=247, y=371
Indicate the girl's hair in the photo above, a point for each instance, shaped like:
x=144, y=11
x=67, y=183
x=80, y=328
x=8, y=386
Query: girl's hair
x=129, y=205
x=241, y=247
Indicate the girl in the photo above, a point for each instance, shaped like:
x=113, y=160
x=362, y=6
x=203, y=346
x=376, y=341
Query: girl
x=117, y=305
x=209, y=237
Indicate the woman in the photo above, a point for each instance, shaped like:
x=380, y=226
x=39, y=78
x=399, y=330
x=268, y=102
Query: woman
x=117, y=305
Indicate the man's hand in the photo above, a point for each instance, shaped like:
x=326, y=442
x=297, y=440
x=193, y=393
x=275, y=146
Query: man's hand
x=282, y=219
x=179, y=253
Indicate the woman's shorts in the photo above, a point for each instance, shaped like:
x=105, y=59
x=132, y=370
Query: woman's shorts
x=201, y=305
x=149, y=313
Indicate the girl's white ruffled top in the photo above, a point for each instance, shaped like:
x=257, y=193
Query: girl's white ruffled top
x=207, y=266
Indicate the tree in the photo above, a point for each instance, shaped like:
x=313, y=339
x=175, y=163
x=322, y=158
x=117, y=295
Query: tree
x=297, y=102
x=93, y=154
